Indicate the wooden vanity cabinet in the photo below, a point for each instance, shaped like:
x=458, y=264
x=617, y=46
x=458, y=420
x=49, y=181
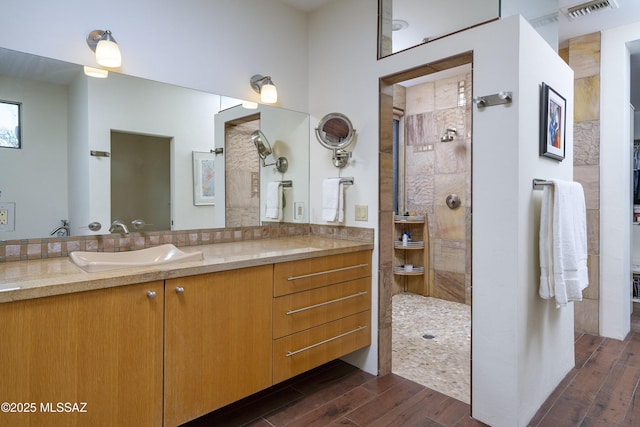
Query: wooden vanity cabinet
x=96, y=351
x=217, y=340
x=322, y=311
x=166, y=352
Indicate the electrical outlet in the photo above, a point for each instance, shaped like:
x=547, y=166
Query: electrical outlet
x=7, y=216
x=362, y=213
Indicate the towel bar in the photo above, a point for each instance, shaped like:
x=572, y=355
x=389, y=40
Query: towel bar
x=539, y=183
x=346, y=181
x=286, y=184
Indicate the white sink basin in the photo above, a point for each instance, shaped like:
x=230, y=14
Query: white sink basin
x=157, y=255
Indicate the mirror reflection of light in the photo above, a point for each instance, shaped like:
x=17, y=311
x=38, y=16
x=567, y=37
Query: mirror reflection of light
x=95, y=72
x=249, y=105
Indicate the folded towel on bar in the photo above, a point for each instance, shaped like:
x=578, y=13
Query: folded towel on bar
x=332, y=200
x=274, y=201
x=563, y=242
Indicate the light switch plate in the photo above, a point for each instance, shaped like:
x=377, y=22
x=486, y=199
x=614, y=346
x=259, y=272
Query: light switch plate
x=7, y=216
x=362, y=213
x=298, y=211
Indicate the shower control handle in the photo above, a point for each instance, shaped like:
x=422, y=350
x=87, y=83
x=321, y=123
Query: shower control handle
x=453, y=201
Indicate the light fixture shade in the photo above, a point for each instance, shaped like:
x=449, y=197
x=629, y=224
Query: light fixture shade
x=108, y=54
x=96, y=72
x=268, y=93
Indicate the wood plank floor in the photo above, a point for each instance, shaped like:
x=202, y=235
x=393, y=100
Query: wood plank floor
x=600, y=391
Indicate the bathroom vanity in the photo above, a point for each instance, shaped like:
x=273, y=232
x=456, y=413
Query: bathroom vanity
x=163, y=345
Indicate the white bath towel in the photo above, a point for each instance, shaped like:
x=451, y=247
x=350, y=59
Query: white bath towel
x=332, y=200
x=274, y=201
x=563, y=243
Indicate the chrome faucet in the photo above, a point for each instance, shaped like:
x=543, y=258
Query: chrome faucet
x=62, y=230
x=117, y=224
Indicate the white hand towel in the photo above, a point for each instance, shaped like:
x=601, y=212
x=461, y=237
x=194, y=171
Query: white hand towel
x=331, y=199
x=274, y=201
x=341, y=202
x=547, y=285
x=563, y=261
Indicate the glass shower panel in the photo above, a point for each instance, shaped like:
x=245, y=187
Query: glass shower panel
x=541, y=14
x=407, y=23
x=403, y=24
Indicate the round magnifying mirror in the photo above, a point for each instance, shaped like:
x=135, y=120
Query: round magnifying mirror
x=261, y=143
x=335, y=131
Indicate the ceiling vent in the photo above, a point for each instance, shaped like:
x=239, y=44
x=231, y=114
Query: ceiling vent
x=580, y=10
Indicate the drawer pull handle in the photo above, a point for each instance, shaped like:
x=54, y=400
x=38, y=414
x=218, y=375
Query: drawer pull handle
x=327, y=272
x=358, y=329
x=326, y=303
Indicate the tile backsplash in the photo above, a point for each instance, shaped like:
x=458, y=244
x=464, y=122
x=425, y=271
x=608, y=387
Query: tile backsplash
x=28, y=249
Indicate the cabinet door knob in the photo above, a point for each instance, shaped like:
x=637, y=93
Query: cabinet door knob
x=179, y=290
x=151, y=294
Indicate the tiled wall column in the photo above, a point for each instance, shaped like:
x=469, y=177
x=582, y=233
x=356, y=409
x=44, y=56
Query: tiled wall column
x=584, y=59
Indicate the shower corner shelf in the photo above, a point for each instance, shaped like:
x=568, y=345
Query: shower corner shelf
x=417, y=271
x=410, y=245
x=418, y=219
x=415, y=252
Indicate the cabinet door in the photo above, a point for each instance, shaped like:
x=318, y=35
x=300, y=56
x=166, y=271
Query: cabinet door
x=218, y=346
x=85, y=359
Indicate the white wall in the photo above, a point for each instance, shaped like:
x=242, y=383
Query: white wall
x=545, y=334
x=41, y=164
x=214, y=46
x=522, y=346
x=615, y=181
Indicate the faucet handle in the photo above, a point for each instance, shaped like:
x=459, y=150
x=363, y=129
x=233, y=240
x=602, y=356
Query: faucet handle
x=138, y=224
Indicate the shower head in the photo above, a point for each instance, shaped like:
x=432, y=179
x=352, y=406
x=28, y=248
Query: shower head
x=449, y=135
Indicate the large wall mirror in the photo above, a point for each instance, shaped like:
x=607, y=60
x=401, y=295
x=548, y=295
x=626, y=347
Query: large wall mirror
x=71, y=124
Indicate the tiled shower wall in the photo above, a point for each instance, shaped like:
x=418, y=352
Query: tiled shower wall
x=242, y=176
x=434, y=169
x=583, y=56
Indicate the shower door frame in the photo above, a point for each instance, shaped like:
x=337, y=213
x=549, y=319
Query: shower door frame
x=385, y=196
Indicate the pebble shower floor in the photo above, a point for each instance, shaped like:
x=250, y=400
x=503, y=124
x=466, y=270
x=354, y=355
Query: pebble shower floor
x=432, y=343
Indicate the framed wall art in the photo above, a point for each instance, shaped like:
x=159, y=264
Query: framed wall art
x=10, y=124
x=204, y=178
x=553, y=115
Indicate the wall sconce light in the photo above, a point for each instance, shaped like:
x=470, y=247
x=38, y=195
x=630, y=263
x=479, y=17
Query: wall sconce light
x=105, y=47
x=265, y=87
x=96, y=72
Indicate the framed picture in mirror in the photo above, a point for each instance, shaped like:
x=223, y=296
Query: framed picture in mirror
x=204, y=178
x=10, y=124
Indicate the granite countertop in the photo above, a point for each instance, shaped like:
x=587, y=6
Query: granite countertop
x=45, y=277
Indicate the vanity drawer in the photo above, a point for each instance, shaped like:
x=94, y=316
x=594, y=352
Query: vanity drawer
x=305, y=350
x=297, y=276
x=303, y=310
